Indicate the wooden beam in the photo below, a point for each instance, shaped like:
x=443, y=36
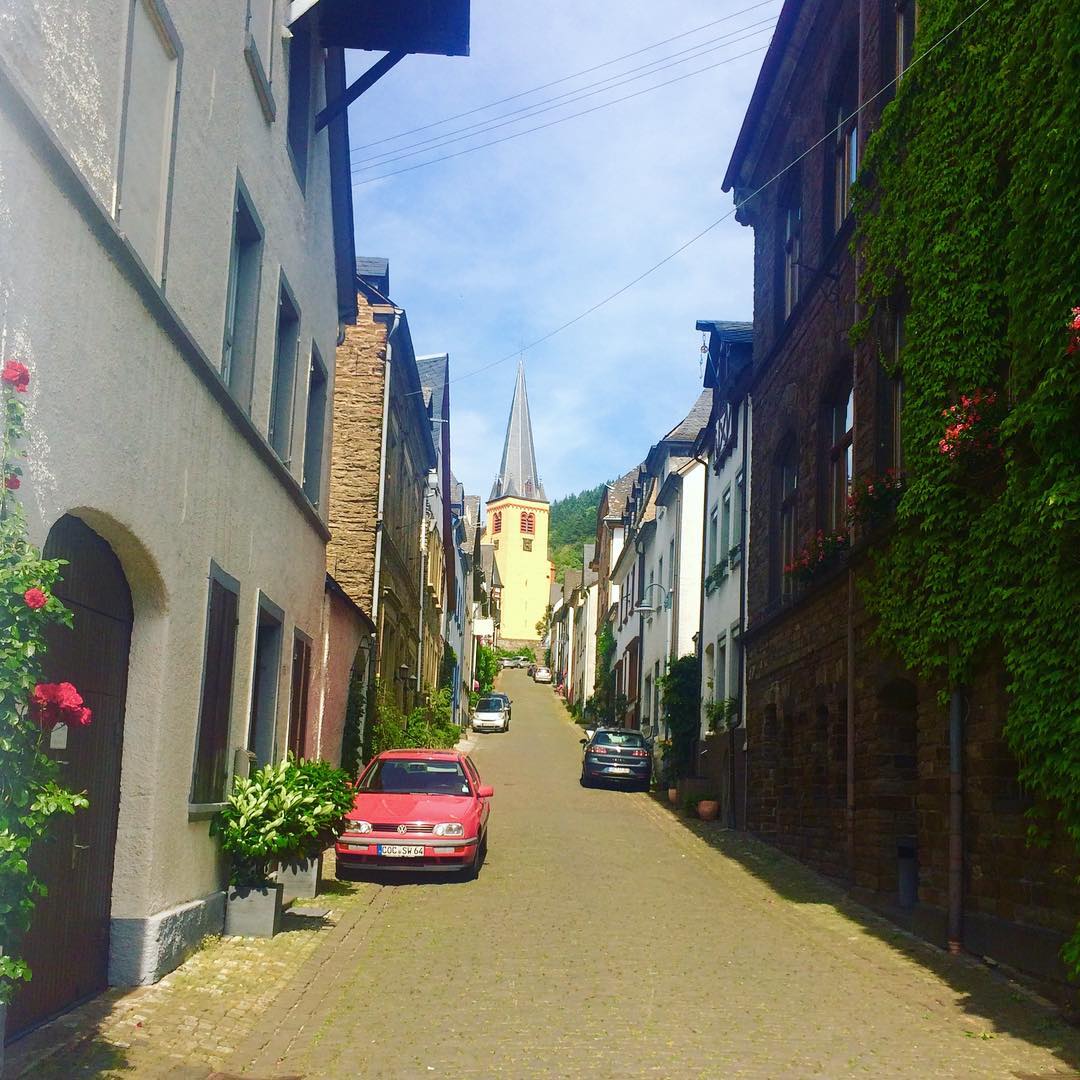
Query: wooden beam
x=365, y=82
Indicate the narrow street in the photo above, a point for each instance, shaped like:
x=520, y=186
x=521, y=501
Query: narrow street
x=605, y=938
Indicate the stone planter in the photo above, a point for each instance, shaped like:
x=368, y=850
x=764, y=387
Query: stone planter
x=301, y=878
x=673, y=795
x=708, y=809
x=253, y=911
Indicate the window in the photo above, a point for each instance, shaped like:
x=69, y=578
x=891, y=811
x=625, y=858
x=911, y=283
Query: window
x=526, y=543
x=791, y=232
x=725, y=523
x=844, y=149
x=660, y=570
x=671, y=565
x=496, y=522
x=720, y=686
x=215, y=706
x=714, y=538
x=841, y=424
x=738, y=522
x=298, y=133
x=242, y=299
x=264, y=682
x=646, y=704
x=787, y=488
x=906, y=16
x=259, y=51
x=298, y=699
x=281, y=393
x=315, y=428
x=896, y=400
x=528, y=523
x=735, y=677
x=151, y=99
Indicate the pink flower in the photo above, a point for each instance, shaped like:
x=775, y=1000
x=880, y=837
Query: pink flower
x=34, y=599
x=58, y=703
x=12, y=482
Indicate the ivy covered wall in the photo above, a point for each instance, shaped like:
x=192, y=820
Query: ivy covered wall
x=969, y=225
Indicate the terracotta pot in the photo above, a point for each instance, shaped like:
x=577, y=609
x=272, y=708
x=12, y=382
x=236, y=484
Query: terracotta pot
x=708, y=809
x=673, y=795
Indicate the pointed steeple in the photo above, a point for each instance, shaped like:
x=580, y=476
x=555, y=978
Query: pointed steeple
x=519, y=477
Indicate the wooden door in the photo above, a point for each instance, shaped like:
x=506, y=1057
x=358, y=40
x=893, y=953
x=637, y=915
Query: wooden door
x=67, y=945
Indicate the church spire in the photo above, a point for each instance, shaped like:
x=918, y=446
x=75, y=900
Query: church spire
x=519, y=477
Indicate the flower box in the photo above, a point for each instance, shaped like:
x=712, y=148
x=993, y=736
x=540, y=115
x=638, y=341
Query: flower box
x=822, y=553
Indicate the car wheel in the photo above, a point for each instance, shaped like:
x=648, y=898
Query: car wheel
x=585, y=781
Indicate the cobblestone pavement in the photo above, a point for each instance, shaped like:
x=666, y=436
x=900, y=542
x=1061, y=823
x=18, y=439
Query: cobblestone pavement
x=605, y=937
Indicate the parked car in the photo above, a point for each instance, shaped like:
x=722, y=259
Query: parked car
x=491, y=714
x=417, y=810
x=506, y=701
x=521, y=661
x=616, y=755
x=542, y=674
x=506, y=661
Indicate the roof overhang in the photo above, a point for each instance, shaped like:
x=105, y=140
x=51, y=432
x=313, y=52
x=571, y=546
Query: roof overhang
x=440, y=27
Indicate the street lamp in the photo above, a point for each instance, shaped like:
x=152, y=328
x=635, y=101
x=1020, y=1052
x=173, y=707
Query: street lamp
x=665, y=605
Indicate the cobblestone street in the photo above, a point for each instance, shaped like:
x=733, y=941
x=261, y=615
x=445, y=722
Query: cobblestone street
x=605, y=937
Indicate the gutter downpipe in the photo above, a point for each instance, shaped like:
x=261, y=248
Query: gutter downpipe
x=744, y=526
x=379, y=524
x=956, y=821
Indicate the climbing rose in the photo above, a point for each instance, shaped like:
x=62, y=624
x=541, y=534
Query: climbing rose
x=35, y=598
x=58, y=703
x=16, y=375
x=12, y=482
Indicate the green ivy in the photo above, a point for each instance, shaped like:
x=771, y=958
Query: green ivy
x=681, y=689
x=970, y=211
x=30, y=793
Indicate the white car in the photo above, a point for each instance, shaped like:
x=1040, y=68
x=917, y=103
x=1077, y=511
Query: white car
x=490, y=714
x=542, y=674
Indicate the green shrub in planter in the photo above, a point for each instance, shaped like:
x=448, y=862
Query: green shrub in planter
x=290, y=810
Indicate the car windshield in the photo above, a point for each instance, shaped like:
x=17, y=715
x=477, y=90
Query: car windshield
x=620, y=738
x=489, y=704
x=421, y=776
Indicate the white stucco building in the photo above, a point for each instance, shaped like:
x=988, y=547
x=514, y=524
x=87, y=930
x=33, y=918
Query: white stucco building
x=175, y=265
x=583, y=646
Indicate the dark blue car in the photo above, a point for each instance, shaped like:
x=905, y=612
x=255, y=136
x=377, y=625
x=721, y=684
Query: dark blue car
x=616, y=756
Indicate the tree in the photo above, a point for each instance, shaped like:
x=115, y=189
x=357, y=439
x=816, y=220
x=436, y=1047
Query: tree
x=681, y=690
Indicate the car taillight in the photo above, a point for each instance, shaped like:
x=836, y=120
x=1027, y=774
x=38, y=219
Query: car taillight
x=598, y=750
x=639, y=753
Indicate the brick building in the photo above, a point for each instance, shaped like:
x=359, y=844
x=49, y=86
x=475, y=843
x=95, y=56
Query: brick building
x=383, y=452
x=848, y=755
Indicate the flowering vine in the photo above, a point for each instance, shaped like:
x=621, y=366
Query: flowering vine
x=30, y=792
x=971, y=426
x=874, y=499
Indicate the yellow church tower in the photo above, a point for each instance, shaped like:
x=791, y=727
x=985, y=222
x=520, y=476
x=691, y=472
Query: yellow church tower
x=517, y=527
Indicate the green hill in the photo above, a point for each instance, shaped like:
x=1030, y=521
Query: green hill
x=572, y=523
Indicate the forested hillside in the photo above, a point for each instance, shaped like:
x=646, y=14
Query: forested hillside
x=572, y=523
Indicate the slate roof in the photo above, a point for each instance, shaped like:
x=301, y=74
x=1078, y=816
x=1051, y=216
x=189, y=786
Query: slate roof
x=375, y=272
x=433, y=375
x=688, y=429
x=490, y=566
x=619, y=491
x=518, y=477
x=727, y=330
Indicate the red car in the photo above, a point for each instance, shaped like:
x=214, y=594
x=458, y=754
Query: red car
x=417, y=810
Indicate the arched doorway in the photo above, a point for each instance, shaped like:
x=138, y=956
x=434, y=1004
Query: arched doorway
x=67, y=946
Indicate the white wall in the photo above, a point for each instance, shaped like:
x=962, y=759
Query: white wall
x=124, y=431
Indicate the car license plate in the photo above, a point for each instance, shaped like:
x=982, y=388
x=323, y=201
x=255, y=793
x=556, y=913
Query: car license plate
x=618, y=769
x=402, y=851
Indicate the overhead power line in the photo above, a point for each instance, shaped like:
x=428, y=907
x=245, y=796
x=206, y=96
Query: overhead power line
x=527, y=112
x=560, y=120
x=724, y=217
x=565, y=78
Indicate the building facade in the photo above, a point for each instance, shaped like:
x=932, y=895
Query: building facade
x=174, y=226
x=852, y=757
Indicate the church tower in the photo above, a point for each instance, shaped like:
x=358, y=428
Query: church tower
x=517, y=526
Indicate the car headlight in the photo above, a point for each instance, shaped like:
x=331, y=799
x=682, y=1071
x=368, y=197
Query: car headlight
x=450, y=828
x=358, y=826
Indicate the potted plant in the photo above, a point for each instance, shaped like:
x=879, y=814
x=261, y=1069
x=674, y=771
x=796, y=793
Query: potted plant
x=708, y=809
x=721, y=715
x=301, y=873
x=276, y=814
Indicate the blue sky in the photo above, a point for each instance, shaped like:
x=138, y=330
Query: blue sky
x=494, y=249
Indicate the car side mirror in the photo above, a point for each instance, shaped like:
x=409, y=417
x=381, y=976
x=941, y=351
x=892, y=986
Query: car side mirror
x=484, y=792
x=584, y=742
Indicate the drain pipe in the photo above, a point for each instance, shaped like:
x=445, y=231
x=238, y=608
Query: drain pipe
x=956, y=820
x=744, y=533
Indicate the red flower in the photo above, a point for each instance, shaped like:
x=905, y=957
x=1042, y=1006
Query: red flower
x=12, y=482
x=58, y=703
x=16, y=375
x=35, y=598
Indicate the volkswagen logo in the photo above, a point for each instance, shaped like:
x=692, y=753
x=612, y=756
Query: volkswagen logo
x=403, y=828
